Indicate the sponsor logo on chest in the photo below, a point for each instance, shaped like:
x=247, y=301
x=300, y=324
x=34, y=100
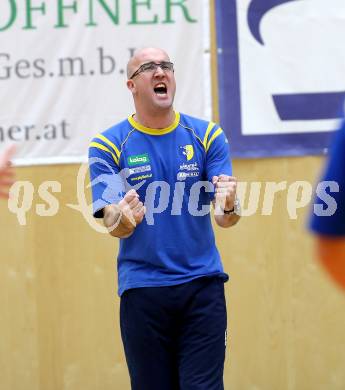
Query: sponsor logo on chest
x=138, y=159
x=189, y=167
x=143, y=168
x=188, y=170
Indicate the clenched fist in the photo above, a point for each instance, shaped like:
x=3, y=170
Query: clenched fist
x=132, y=209
x=225, y=192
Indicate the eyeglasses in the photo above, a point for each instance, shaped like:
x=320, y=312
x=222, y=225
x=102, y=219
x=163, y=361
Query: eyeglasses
x=166, y=66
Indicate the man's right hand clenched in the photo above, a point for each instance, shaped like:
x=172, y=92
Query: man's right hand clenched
x=132, y=209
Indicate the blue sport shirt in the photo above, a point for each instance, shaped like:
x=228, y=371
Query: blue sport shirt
x=171, y=169
x=333, y=224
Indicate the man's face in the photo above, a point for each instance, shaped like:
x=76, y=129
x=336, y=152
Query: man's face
x=152, y=86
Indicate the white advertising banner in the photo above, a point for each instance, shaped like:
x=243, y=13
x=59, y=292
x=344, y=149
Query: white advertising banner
x=63, y=68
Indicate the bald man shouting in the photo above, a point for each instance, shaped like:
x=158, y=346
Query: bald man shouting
x=154, y=176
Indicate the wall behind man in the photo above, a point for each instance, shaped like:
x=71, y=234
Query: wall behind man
x=59, y=322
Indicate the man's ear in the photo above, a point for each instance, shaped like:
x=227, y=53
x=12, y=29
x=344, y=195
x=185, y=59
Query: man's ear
x=131, y=85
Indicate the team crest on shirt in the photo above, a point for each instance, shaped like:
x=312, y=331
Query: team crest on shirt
x=187, y=151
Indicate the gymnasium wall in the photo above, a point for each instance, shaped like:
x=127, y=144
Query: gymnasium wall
x=59, y=318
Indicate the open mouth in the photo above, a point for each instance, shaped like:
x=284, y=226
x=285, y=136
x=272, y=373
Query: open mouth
x=160, y=89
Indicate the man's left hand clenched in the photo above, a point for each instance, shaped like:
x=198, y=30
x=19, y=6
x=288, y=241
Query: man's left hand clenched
x=225, y=192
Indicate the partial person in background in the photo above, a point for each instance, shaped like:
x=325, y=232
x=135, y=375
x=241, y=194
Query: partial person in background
x=6, y=171
x=330, y=230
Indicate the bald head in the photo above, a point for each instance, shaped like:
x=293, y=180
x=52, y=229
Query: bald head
x=141, y=56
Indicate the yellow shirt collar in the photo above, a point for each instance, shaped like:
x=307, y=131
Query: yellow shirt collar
x=150, y=131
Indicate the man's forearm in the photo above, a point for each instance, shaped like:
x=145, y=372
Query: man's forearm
x=226, y=219
x=113, y=222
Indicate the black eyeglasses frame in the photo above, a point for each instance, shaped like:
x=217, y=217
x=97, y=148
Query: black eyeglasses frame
x=152, y=66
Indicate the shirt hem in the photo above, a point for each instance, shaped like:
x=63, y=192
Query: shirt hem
x=222, y=275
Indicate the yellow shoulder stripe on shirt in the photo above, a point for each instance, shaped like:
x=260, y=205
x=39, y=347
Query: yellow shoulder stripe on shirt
x=209, y=128
x=102, y=147
x=214, y=136
x=104, y=139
